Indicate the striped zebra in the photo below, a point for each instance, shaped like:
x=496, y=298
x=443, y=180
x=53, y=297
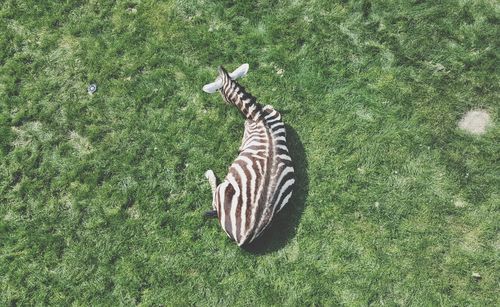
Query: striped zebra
x=260, y=181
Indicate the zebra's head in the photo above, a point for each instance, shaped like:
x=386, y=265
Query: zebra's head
x=217, y=84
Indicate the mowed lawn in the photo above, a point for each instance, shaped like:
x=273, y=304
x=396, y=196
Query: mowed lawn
x=102, y=196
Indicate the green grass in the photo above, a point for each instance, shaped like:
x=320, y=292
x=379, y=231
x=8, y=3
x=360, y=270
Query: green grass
x=102, y=196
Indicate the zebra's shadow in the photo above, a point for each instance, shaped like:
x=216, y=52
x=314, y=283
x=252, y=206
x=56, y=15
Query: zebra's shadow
x=284, y=225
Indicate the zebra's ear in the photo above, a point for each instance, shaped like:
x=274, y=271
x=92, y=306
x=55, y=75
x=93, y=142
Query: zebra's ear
x=213, y=87
x=240, y=72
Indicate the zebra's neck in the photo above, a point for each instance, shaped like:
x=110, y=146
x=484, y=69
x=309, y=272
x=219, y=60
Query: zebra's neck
x=235, y=94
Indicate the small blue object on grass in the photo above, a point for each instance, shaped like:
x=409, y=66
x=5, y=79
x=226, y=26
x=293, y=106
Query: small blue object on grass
x=92, y=88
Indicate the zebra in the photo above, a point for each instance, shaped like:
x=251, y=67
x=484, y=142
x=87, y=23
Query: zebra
x=260, y=181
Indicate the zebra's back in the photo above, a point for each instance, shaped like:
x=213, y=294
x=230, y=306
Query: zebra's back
x=259, y=182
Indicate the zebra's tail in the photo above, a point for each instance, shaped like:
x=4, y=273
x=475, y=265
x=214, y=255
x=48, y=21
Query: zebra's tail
x=217, y=84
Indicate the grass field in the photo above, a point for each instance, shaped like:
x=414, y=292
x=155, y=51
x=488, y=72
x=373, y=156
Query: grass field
x=102, y=196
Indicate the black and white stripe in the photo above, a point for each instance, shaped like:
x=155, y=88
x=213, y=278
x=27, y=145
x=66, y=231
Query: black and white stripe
x=260, y=181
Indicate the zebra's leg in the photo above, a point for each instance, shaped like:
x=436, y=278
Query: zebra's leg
x=213, y=185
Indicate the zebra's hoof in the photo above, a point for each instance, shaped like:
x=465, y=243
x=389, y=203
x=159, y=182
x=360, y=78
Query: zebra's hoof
x=211, y=213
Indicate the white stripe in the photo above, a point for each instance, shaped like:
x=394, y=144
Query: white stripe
x=256, y=138
x=234, y=203
x=278, y=173
x=283, y=188
x=254, y=142
x=232, y=92
x=259, y=190
x=253, y=152
x=280, y=130
x=285, y=157
x=260, y=140
x=280, y=123
x=283, y=173
x=254, y=131
x=252, y=108
x=282, y=147
x=272, y=114
x=253, y=179
x=280, y=138
x=249, y=143
x=243, y=178
x=253, y=139
x=285, y=201
x=222, y=195
x=262, y=228
x=269, y=123
x=261, y=225
x=259, y=166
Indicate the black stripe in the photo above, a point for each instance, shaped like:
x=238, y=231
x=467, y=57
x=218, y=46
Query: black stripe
x=228, y=198
x=288, y=190
x=239, y=203
x=288, y=176
x=281, y=151
x=250, y=194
